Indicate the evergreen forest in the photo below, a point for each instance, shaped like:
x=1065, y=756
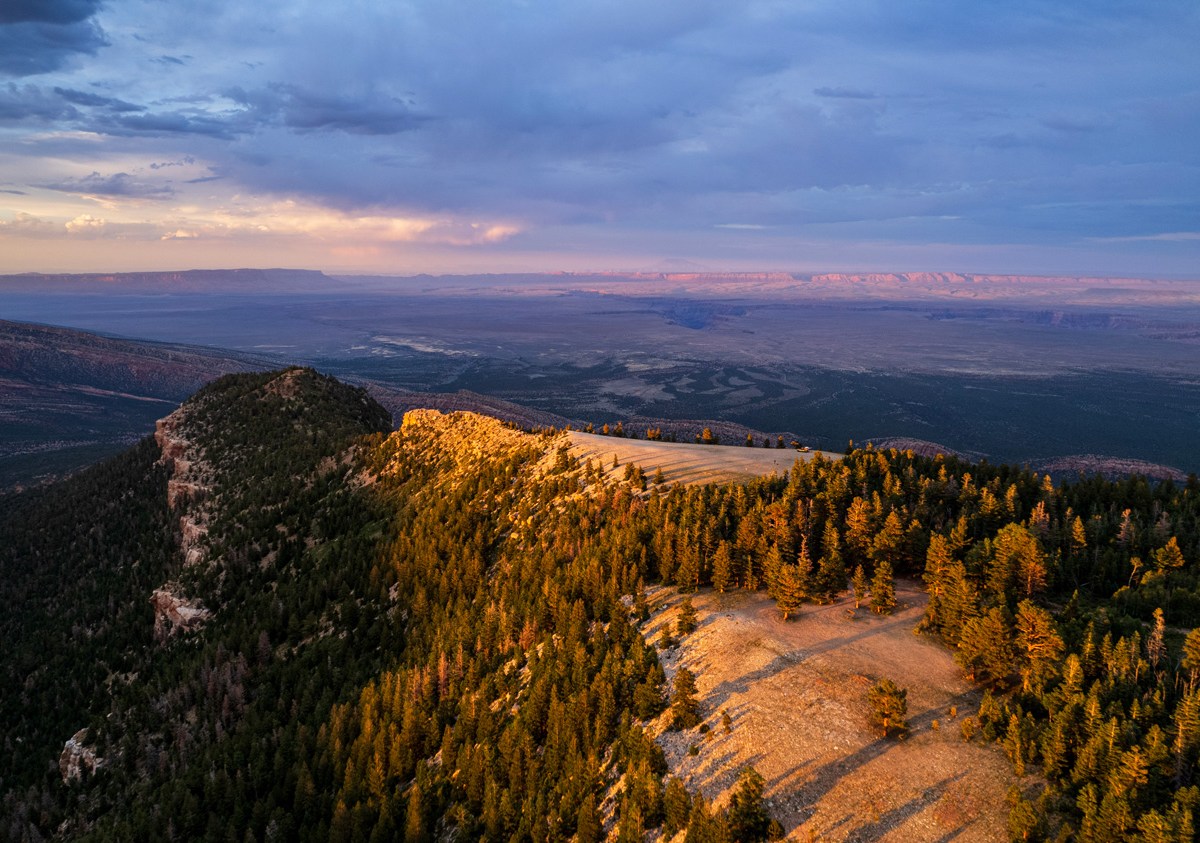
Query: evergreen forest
x=434, y=633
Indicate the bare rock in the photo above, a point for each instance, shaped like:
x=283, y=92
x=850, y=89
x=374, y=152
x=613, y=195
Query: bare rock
x=174, y=613
x=77, y=758
x=170, y=441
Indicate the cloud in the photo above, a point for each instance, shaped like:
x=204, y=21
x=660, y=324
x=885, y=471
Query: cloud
x=86, y=224
x=192, y=122
x=48, y=11
x=28, y=225
x=370, y=113
x=844, y=93
x=601, y=121
x=30, y=102
x=96, y=101
x=290, y=218
x=1166, y=237
x=112, y=186
x=30, y=47
x=186, y=161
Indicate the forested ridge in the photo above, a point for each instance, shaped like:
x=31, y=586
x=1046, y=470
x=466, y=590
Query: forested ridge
x=435, y=632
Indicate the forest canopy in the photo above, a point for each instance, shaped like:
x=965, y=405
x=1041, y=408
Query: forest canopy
x=438, y=628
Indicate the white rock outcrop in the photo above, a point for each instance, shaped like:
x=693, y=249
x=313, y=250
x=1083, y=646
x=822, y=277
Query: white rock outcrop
x=174, y=613
x=77, y=758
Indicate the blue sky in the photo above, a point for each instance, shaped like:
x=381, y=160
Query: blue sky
x=451, y=136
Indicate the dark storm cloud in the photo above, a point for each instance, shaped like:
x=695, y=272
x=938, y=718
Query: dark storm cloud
x=39, y=36
x=47, y=11
x=30, y=48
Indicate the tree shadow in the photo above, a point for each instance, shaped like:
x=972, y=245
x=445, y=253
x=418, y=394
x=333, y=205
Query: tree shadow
x=719, y=695
x=825, y=778
x=964, y=702
x=893, y=819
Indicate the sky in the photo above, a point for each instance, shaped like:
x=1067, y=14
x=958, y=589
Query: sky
x=405, y=136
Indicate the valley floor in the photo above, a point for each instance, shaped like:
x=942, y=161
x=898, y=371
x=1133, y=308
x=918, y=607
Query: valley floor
x=797, y=695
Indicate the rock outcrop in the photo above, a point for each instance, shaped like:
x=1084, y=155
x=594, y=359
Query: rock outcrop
x=187, y=488
x=77, y=758
x=187, y=485
x=174, y=613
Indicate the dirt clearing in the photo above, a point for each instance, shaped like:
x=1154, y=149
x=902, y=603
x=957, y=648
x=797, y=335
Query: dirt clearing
x=797, y=695
x=688, y=463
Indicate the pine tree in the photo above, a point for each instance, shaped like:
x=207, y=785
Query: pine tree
x=589, y=826
x=1169, y=557
x=748, y=818
x=772, y=565
x=704, y=827
x=885, y=547
x=686, y=622
x=858, y=531
x=1016, y=557
x=414, y=823
x=985, y=646
x=804, y=569
x=960, y=603
x=789, y=593
x=1191, y=657
x=685, y=711
x=1156, y=646
x=859, y=582
x=937, y=564
x=677, y=807
x=831, y=569
x=889, y=708
x=1186, y=727
x=1079, y=540
x=687, y=574
x=883, y=589
x=1040, y=646
x=722, y=567
x=629, y=827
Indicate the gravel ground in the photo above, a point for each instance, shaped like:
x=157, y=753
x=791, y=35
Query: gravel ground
x=797, y=694
x=688, y=463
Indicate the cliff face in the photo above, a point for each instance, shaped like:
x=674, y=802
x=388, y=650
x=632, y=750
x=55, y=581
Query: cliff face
x=188, y=484
x=78, y=758
x=174, y=613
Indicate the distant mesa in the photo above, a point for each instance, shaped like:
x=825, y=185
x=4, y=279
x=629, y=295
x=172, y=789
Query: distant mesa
x=923, y=448
x=190, y=280
x=1110, y=468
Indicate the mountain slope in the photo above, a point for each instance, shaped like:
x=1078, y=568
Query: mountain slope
x=292, y=624
x=69, y=398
